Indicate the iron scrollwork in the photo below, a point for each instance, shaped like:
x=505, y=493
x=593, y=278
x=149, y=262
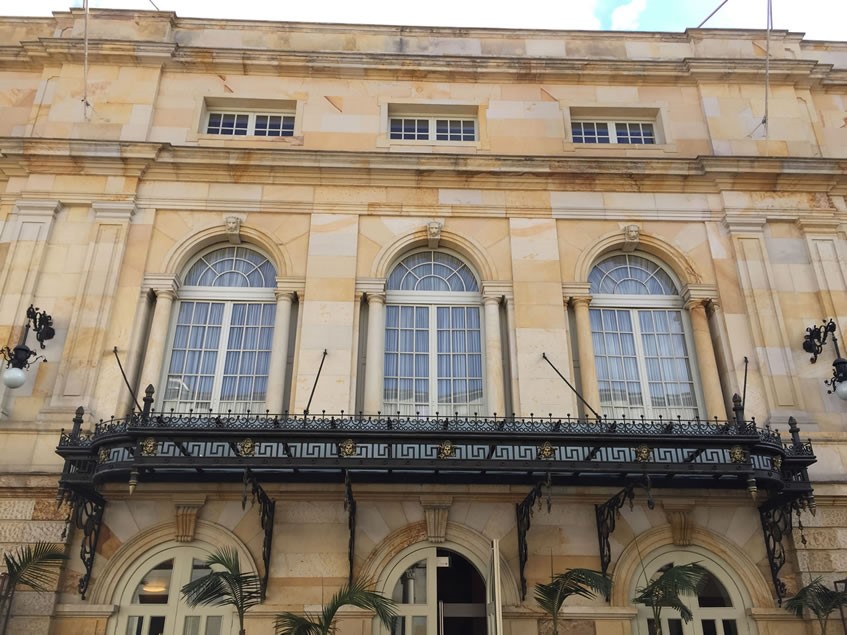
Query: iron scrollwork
x=776, y=525
x=524, y=515
x=267, y=507
x=86, y=514
x=607, y=515
x=350, y=508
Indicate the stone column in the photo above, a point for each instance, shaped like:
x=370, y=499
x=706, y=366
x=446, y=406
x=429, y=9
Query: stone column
x=494, y=386
x=585, y=344
x=157, y=340
x=709, y=378
x=279, y=353
x=375, y=363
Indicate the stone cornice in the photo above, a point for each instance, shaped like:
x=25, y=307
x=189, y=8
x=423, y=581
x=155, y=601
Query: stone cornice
x=163, y=162
x=418, y=66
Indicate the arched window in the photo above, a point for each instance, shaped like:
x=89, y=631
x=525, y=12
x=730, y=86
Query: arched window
x=437, y=591
x=718, y=609
x=641, y=341
x=150, y=603
x=433, y=337
x=221, y=344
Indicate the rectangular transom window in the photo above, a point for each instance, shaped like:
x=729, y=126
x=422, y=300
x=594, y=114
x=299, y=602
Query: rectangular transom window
x=432, y=129
x=256, y=124
x=623, y=132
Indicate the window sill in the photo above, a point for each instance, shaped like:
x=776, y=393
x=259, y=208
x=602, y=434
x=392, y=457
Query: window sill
x=653, y=149
x=247, y=141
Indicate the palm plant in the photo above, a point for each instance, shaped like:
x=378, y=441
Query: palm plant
x=355, y=593
x=584, y=583
x=819, y=599
x=35, y=566
x=225, y=585
x=665, y=591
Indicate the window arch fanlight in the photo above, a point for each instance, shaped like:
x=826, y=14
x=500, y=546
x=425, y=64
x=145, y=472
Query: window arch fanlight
x=222, y=334
x=719, y=608
x=149, y=601
x=642, y=340
x=433, y=337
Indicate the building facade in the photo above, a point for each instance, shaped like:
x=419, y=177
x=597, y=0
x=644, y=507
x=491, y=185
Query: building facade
x=443, y=309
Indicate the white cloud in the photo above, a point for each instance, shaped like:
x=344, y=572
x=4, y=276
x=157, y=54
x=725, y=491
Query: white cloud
x=625, y=17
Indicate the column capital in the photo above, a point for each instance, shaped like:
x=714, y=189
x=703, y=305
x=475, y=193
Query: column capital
x=290, y=285
x=696, y=305
x=575, y=289
x=496, y=289
x=371, y=286
x=699, y=292
x=161, y=283
x=45, y=208
x=121, y=211
x=820, y=226
x=744, y=224
x=579, y=300
x=377, y=298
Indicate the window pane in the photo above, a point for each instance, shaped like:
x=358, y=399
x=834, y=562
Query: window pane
x=729, y=627
x=191, y=625
x=411, y=587
x=709, y=627
x=674, y=627
x=713, y=594
x=213, y=625
x=154, y=587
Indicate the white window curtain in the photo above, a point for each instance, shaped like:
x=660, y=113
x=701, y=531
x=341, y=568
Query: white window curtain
x=640, y=337
x=220, y=357
x=433, y=337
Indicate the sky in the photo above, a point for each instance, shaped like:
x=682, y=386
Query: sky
x=818, y=19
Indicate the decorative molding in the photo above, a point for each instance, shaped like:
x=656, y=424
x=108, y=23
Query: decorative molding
x=186, y=517
x=631, y=238
x=436, y=511
x=699, y=293
x=678, y=513
x=232, y=226
x=736, y=223
x=433, y=234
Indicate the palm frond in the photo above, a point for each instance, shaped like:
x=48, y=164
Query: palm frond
x=550, y=597
x=357, y=594
x=666, y=590
x=224, y=585
x=293, y=624
x=584, y=583
x=817, y=598
x=35, y=566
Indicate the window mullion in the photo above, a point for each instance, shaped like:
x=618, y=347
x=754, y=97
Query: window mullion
x=641, y=357
x=433, y=359
x=220, y=364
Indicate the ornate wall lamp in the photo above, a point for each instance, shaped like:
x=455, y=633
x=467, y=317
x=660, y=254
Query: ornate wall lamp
x=813, y=343
x=18, y=359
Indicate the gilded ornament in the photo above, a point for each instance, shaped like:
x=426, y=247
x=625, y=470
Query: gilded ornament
x=347, y=447
x=103, y=455
x=776, y=462
x=642, y=453
x=247, y=447
x=148, y=447
x=736, y=454
x=545, y=451
x=446, y=450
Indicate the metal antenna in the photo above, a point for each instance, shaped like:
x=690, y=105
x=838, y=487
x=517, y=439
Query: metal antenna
x=570, y=385
x=315, y=385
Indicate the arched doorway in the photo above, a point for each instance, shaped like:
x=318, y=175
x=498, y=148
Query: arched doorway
x=438, y=592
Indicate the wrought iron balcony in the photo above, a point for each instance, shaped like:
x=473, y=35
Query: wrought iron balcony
x=193, y=446
x=540, y=452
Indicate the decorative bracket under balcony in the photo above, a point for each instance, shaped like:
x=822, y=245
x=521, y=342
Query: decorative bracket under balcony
x=267, y=507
